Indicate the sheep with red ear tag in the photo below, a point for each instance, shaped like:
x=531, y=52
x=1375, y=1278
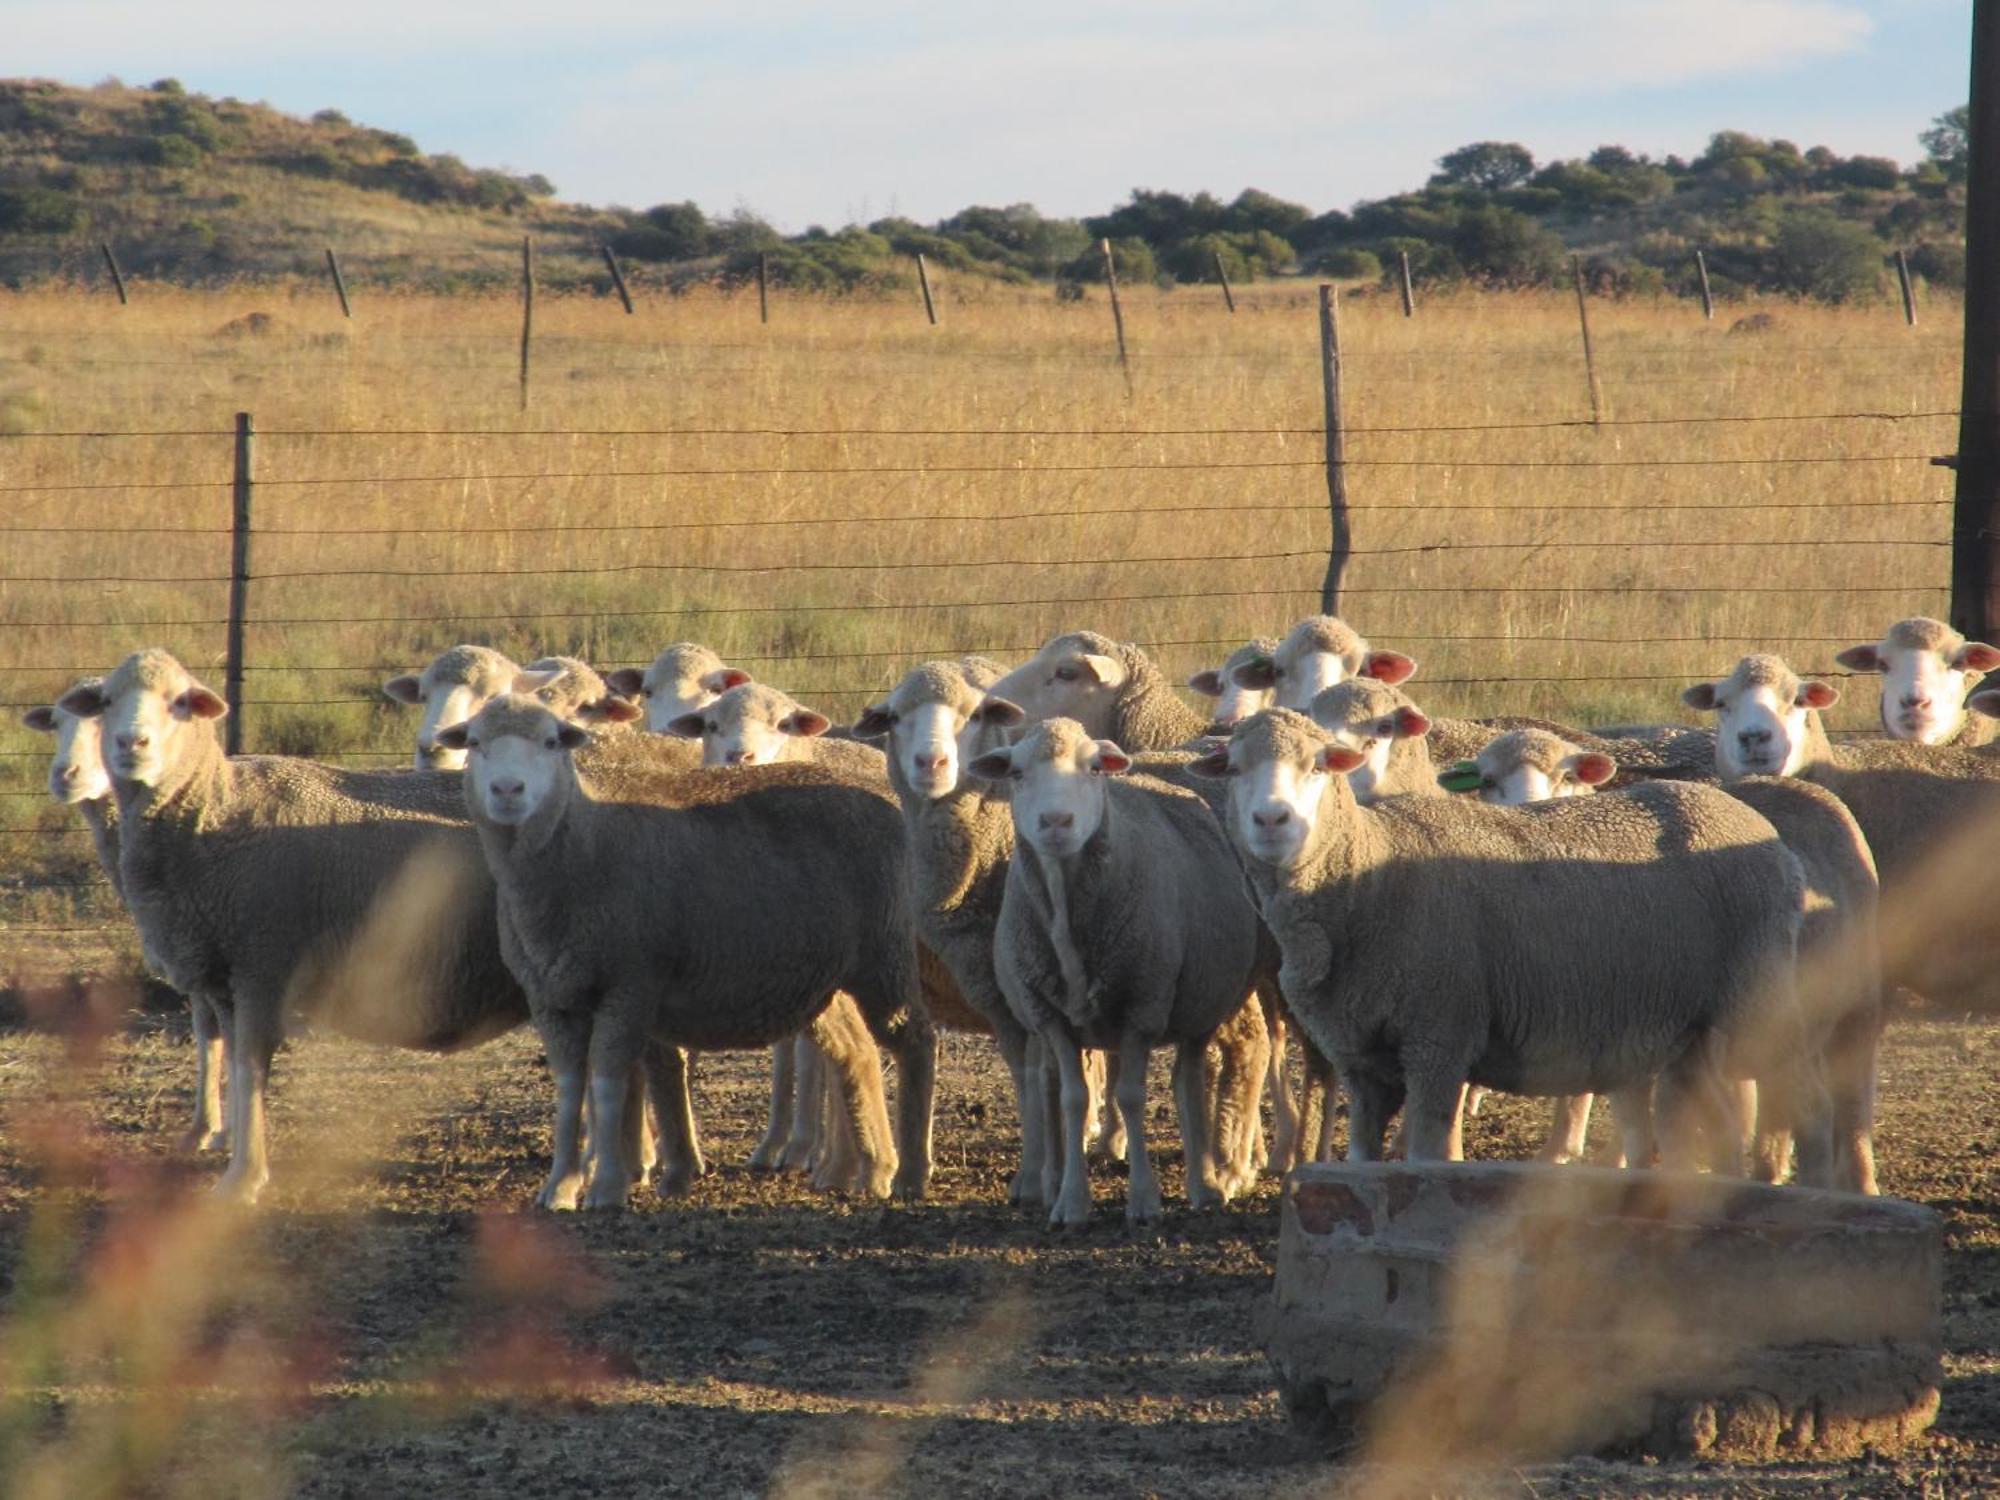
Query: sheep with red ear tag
x=1123, y=924
x=1319, y=652
x=1532, y=765
x=1380, y=722
x=1928, y=669
x=684, y=678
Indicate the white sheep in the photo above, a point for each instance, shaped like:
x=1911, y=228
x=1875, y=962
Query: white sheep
x=1316, y=654
x=1928, y=670
x=1234, y=702
x=1589, y=943
x=1124, y=924
x=748, y=900
x=682, y=678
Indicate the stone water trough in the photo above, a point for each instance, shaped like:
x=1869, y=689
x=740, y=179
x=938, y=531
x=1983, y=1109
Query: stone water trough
x=1512, y=1310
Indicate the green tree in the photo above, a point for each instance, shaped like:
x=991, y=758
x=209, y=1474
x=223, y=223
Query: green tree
x=1486, y=165
x=1499, y=245
x=1816, y=253
x=1949, y=141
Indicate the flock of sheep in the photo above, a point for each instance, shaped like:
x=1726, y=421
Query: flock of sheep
x=1070, y=858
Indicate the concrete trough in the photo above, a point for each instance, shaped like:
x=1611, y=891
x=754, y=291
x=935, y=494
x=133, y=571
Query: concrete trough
x=1512, y=1311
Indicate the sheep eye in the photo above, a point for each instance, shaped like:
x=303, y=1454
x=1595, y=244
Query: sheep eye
x=712, y=727
x=549, y=743
x=645, y=692
x=1066, y=674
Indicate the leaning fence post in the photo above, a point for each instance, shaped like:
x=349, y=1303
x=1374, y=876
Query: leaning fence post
x=1409, y=292
x=924, y=280
x=1222, y=277
x=1909, y=292
x=763, y=287
x=527, y=310
x=339, y=285
x=1342, y=536
x=117, y=276
x=1701, y=275
x=239, y=585
x=1117, y=313
x=1589, y=357
x=617, y=277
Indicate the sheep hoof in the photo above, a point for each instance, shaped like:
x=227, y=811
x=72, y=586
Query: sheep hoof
x=1143, y=1210
x=606, y=1197
x=764, y=1159
x=237, y=1186
x=198, y=1138
x=559, y=1195
x=1024, y=1191
x=676, y=1180
x=1072, y=1210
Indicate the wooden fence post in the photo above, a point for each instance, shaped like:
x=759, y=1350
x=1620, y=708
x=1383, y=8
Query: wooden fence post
x=527, y=311
x=1117, y=313
x=617, y=278
x=1701, y=275
x=924, y=280
x=241, y=484
x=117, y=276
x=1589, y=357
x=1909, y=292
x=339, y=284
x=1341, y=535
x=763, y=287
x=1409, y=292
x=1975, y=515
x=1222, y=277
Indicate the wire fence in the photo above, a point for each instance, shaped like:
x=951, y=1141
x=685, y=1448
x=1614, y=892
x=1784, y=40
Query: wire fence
x=1549, y=564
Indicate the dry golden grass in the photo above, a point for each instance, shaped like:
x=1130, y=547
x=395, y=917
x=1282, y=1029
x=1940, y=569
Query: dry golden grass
x=801, y=459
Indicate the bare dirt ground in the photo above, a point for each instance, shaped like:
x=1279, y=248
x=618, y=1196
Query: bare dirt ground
x=758, y=1339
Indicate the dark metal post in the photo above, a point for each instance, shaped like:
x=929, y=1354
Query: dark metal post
x=339, y=283
x=1222, y=276
x=117, y=276
x=924, y=280
x=1342, y=535
x=527, y=311
x=617, y=277
x=1117, y=313
x=763, y=287
x=239, y=585
x=1975, y=517
x=1701, y=275
x=1909, y=293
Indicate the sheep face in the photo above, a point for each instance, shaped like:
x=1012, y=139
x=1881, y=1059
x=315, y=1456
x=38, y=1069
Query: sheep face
x=1075, y=676
x=517, y=754
x=1319, y=653
x=76, y=774
x=934, y=723
x=147, y=709
x=1927, y=669
x=572, y=690
x=1280, y=767
x=1057, y=774
x=1532, y=765
x=1368, y=717
x=454, y=687
x=1761, y=714
x=750, y=725
x=1233, y=702
x=683, y=679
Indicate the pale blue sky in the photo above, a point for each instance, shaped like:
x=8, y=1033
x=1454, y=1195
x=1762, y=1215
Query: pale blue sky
x=827, y=113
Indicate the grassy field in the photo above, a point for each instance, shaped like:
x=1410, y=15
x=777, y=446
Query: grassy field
x=826, y=499
x=846, y=489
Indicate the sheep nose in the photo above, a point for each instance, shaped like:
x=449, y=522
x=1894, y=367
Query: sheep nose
x=931, y=761
x=1751, y=739
x=1272, y=817
x=1916, y=700
x=68, y=775
x=1058, y=820
x=510, y=786
x=735, y=757
x=133, y=741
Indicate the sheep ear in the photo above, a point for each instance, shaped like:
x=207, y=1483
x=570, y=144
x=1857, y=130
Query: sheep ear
x=1215, y=763
x=612, y=709
x=687, y=726
x=84, y=702
x=199, y=702
x=1110, y=760
x=1207, y=682
x=1463, y=777
x=1260, y=674
x=1341, y=760
x=531, y=680
x=1592, y=767
x=572, y=736
x=999, y=712
x=1701, y=696
x=409, y=688
x=1861, y=659
x=627, y=682
x=1986, y=701
x=1817, y=694
x=1391, y=667
x=453, y=737
x=805, y=723
x=1104, y=668
x=725, y=678
x=1976, y=656
x=991, y=766
x=1411, y=724
x=874, y=723
x=42, y=718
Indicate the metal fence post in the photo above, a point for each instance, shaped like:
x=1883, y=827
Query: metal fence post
x=239, y=583
x=1341, y=534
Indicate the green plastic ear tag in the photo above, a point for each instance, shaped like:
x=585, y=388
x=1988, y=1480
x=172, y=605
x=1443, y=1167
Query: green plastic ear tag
x=1463, y=777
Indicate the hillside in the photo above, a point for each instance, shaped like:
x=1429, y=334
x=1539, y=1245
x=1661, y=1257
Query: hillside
x=194, y=189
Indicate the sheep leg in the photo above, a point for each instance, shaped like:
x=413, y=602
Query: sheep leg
x=1632, y=1109
x=1794, y=1097
x=1373, y=1099
x=1768, y=1145
x=1013, y=1044
x=211, y=1059
x=916, y=1052
x=1851, y=1052
x=1430, y=1114
x=769, y=1153
x=1072, y=1201
x=680, y=1147
x=566, y=1039
x=1142, y=1195
x=1236, y=1119
x=1318, y=1109
x=640, y=1148
x=1200, y=1127
x=255, y=1037
x=1046, y=1085
x=804, y=1150
x=856, y=1069
x=1104, y=1126
x=618, y=1037
x=1569, y=1128
x=1692, y=1087
x=1288, y=1125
